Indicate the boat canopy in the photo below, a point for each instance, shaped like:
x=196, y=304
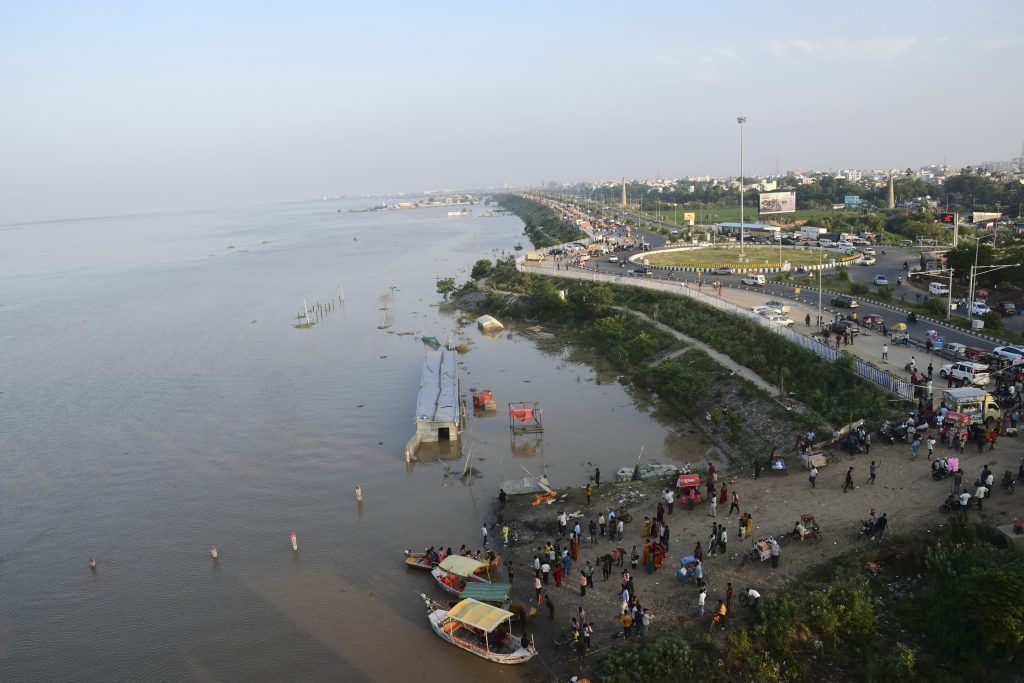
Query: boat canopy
x=479, y=615
x=461, y=565
x=487, y=592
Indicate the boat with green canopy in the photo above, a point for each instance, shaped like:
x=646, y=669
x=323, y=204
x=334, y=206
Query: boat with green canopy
x=480, y=628
x=456, y=571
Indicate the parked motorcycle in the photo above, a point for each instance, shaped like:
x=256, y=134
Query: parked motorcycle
x=891, y=431
x=1008, y=482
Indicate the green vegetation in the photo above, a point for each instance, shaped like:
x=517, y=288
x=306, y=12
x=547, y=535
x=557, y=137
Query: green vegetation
x=446, y=286
x=729, y=256
x=543, y=226
x=481, y=269
x=958, y=617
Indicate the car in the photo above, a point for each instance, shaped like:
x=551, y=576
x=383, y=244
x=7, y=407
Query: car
x=844, y=301
x=868, y=261
x=1006, y=308
x=953, y=350
x=1014, y=353
x=789, y=241
x=873, y=320
x=842, y=326
x=765, y=310
x=613, y=259
x=752, y=280
x=965, y=372
x=881, y=280
x=780, y=306
x=642, y=271
x=780, y=320
x=722, y=271
x=979, y=308
x=937, y=288
x=868, y=251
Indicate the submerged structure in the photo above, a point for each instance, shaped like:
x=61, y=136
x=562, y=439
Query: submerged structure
x=438, y=411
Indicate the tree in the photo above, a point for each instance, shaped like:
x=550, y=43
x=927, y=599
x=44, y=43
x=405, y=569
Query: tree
x=481, y=269
x=446, y=286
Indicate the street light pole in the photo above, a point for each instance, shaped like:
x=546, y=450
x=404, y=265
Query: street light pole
x=741, y=120
x=819, y=286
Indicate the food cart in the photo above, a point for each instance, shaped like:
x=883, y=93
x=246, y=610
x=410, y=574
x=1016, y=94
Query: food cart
x=688, y=487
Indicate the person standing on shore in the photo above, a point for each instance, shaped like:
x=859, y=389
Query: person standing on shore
x=551, y=607
x=621, y=527
x=849, y=480
x=597, y=477
x=670, y=499
x=728, y=596
x=545, y=572
x=871, y=469
x=583, y=584
x=775, y=551
x=593, y=531
x=814, y=476
x=700, y=602
x=627, y=623
x=735, y=502
x=601, y=523
x=713, y=507
x=483, y=531
x=723, y=538
x=590, y=492
x=538, y=587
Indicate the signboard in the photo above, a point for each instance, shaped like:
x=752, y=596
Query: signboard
x=947, y=218
x=777, y=202
x=690, y=217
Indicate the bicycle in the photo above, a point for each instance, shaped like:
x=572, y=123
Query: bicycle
x=624, y=515
x=565, y=640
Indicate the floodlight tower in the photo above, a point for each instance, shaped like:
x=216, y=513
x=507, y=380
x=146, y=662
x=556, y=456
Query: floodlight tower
x=741, y=120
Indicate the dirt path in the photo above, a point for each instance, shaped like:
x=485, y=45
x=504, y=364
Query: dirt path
x=904, y=490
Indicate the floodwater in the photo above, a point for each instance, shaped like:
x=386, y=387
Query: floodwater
x=157, y=399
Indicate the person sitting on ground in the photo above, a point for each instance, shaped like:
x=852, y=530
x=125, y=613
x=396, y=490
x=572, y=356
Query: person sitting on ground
x=799, y=530
x=753, y=596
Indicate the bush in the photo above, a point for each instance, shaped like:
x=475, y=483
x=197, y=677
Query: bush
x=993, y=320
x=885, y=292
x=937, y=305
x=858, y=288
x=664, y=659
x=481, y=269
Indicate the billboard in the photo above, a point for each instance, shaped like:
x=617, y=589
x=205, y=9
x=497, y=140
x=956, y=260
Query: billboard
x=777, y=202
x=689, y=217
x=948, y=218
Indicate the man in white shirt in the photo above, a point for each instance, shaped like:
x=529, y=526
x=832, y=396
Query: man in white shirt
x=753, y=596
x=670, y=499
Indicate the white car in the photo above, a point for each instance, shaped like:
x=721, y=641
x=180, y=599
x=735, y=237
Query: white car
x=868, y=261
x=966, y=372
x=937, y=288
x=979, y=308
x=613, y=259
x=881, y=280
x=752, y=280
x=868, y=251
x=780, y=320
x=780, y=306
x=1014, y=353
x=765, y=310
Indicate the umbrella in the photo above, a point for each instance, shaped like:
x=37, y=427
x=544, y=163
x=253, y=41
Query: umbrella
x=900, y=327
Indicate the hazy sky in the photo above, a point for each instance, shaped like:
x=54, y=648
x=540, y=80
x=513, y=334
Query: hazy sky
x=120, y=107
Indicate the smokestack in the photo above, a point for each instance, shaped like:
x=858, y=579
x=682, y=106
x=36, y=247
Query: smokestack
x=892, y=193
x=623, y=192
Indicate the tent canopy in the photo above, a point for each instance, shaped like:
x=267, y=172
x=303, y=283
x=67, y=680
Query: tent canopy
x=460, y=565
x=487, y=592
x=479, y=615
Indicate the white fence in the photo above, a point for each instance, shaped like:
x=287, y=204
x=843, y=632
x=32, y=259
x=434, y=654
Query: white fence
x=874, y=374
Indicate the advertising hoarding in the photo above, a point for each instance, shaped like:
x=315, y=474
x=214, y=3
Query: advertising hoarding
x=777, y=202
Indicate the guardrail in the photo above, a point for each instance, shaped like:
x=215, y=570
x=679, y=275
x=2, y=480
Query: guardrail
x=877, y=376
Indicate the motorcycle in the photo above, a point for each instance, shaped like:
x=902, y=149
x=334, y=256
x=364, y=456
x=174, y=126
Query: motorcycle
x=952, y=504
x=1008, y=482
x=912, y=318
x=891, y=431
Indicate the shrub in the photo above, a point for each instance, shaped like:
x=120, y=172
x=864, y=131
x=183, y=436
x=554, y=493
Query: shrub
x=936, y=305
x=858, y=288
x=885, y=292
x=664, y=659
x=481, y=269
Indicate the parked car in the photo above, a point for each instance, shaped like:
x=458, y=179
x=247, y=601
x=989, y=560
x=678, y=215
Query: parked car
x=765, y=310
x=843, y=326
x=953, y=351
x=780, y=320
x=979, y=308
x=780, y=306
x=966, y=372
x=722, y=271
x=1014, y=353
x=1006, y=308
x=844, y=301
x=881, y=280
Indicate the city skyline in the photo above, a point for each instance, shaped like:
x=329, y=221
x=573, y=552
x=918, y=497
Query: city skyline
x=115, y=109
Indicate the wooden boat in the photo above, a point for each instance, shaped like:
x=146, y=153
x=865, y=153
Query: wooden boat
x=455, y=571
x=420, y=561
x=479, y=628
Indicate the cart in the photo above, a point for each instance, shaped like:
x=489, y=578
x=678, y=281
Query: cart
x=686, y=566
x=688, y=484
x=759, y=552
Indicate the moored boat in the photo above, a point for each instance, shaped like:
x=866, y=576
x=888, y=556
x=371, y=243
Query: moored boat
x=455, y=571
x=479, y=628
x=424, y=561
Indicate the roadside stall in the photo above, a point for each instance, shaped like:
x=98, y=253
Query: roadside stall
x=955, y=428
x=688, y=487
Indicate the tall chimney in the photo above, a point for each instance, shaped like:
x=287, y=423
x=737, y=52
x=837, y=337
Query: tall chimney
x=623, y=192
x=892, y=193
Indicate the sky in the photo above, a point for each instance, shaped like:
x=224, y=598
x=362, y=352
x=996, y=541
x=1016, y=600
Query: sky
x=110, y=108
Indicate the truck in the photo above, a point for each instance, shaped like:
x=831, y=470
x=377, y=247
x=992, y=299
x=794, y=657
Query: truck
x=978, y=404
x=534, y=256
x=810, y=233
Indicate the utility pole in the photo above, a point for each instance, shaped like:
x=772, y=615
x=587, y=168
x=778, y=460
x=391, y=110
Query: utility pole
x=741, y=120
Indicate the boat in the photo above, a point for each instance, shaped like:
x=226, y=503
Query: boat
x=420, y=561
x=462, y=212
x=479, y=628
x=455, y=571
x=488, y=323
x=431, y=342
